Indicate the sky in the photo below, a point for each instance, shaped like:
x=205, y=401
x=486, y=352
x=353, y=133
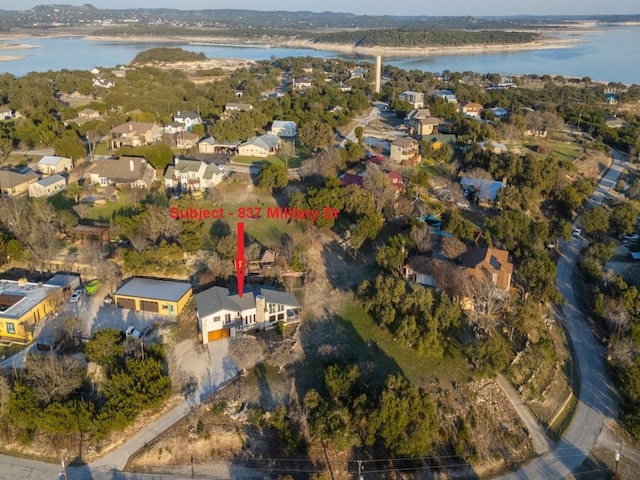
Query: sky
x=369, y=7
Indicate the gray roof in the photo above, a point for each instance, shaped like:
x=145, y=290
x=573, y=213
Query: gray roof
x=184, y=165
x=216, y=299
x=51, y=180
x=63, y=280
x=280, y=297
x=154, y=288
x=119, y=169
x=212, y=170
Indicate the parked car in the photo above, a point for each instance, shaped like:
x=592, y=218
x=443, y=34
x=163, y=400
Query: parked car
x=131, y=332
x=576, y=232
x=632, y=237
x=108, y=299
x=75, y=296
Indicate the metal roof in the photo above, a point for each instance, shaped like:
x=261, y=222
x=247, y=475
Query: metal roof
x=154, y=288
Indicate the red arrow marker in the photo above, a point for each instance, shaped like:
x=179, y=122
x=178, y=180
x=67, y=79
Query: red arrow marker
x=240, y=262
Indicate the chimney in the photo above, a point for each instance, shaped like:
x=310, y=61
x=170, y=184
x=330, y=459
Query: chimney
x=261, y=308
x=131, y=127
x=131, y=164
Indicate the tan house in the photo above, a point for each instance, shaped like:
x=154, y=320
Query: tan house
x=134, y=172
x=416, y=99
x=186, y=140
x=405, y=150
x=262, y=146
x=16, y=182
x=488, y=264
x=135, y=134
x=50, y=164
x=48, y=186
x=471, y=109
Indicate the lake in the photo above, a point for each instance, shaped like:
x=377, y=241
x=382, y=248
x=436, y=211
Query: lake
x=609, y=54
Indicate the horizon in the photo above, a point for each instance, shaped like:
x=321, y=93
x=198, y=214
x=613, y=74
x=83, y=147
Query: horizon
x=489, y=8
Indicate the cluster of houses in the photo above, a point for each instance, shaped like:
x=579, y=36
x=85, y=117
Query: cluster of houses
x=24, y=305
x=47, y=177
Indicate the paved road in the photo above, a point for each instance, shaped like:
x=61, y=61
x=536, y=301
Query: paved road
x=596, y=397
x=541, y=443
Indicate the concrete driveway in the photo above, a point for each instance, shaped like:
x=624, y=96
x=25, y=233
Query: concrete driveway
x=95, y=315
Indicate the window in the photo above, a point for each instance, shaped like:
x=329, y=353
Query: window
x=272, y=308
x=280, y=308
x=11, y=328
x=227, y=318
x=216, y=319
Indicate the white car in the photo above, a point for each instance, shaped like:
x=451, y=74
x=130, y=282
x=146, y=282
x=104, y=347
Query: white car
x=131, y=332
x=632, y=237
x=576, y=232
x=75, y=297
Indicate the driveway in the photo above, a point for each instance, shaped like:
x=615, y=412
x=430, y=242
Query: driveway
x=94, y=315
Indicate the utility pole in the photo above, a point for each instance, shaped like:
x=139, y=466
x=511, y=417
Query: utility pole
x=360, y=477
x=618, y=455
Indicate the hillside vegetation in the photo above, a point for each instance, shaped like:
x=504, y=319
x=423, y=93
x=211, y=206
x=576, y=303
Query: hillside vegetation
x=164, y=54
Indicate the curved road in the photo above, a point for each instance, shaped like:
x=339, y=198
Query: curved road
x=596, y=399
x=596, y=396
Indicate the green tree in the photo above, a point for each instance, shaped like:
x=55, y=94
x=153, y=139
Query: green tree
x=392, y=254
x=105, y=348
x=273, y=176
x=73, y=191
x=538, y=271
x=406, y=420
x=315, y=134
x=69, y=145
x=595, y=221
x=622, y=218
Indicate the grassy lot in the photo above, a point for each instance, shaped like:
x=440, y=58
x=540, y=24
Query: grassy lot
x=419, y=369
x=563, y=150
x=102, y=148
x=104, y=212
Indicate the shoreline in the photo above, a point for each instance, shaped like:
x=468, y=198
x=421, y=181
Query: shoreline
x=389, y=52
x=12, y=58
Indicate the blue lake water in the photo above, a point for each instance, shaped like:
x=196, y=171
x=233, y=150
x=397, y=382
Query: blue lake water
x=610, y=54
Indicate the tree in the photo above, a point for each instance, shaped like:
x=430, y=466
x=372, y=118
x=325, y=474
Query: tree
x=378, y=185
x=392, y=254
x=69, y=145
x=73, y=191
x=453, y=247
x=405, y=421
x=273, y=176
x=246, y=351
x=315, y=134
x=105, y=348
x=538, y=272
x=53, y=377
x=595, y=221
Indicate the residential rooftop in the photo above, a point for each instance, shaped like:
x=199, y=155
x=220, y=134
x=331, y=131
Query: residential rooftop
x=19, y=297
x=154, y=289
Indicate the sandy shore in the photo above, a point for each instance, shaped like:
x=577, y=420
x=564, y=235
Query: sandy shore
x=16, y=46
x=540, y=44
x=12, y=58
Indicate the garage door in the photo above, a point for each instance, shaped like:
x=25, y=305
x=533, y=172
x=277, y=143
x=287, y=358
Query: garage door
x=147, y=306
x=218, y=334
x=129, y=303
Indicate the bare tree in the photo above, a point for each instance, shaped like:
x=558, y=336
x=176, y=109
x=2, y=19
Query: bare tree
x=283, y=354
x=52, y=376
x=453, y=247
x=246, y=351
x=82, y=210
x=489, y=299
x=139, y=240
x=452, y=279
x=422, y=238
x=377, y=183
x=158, y=225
